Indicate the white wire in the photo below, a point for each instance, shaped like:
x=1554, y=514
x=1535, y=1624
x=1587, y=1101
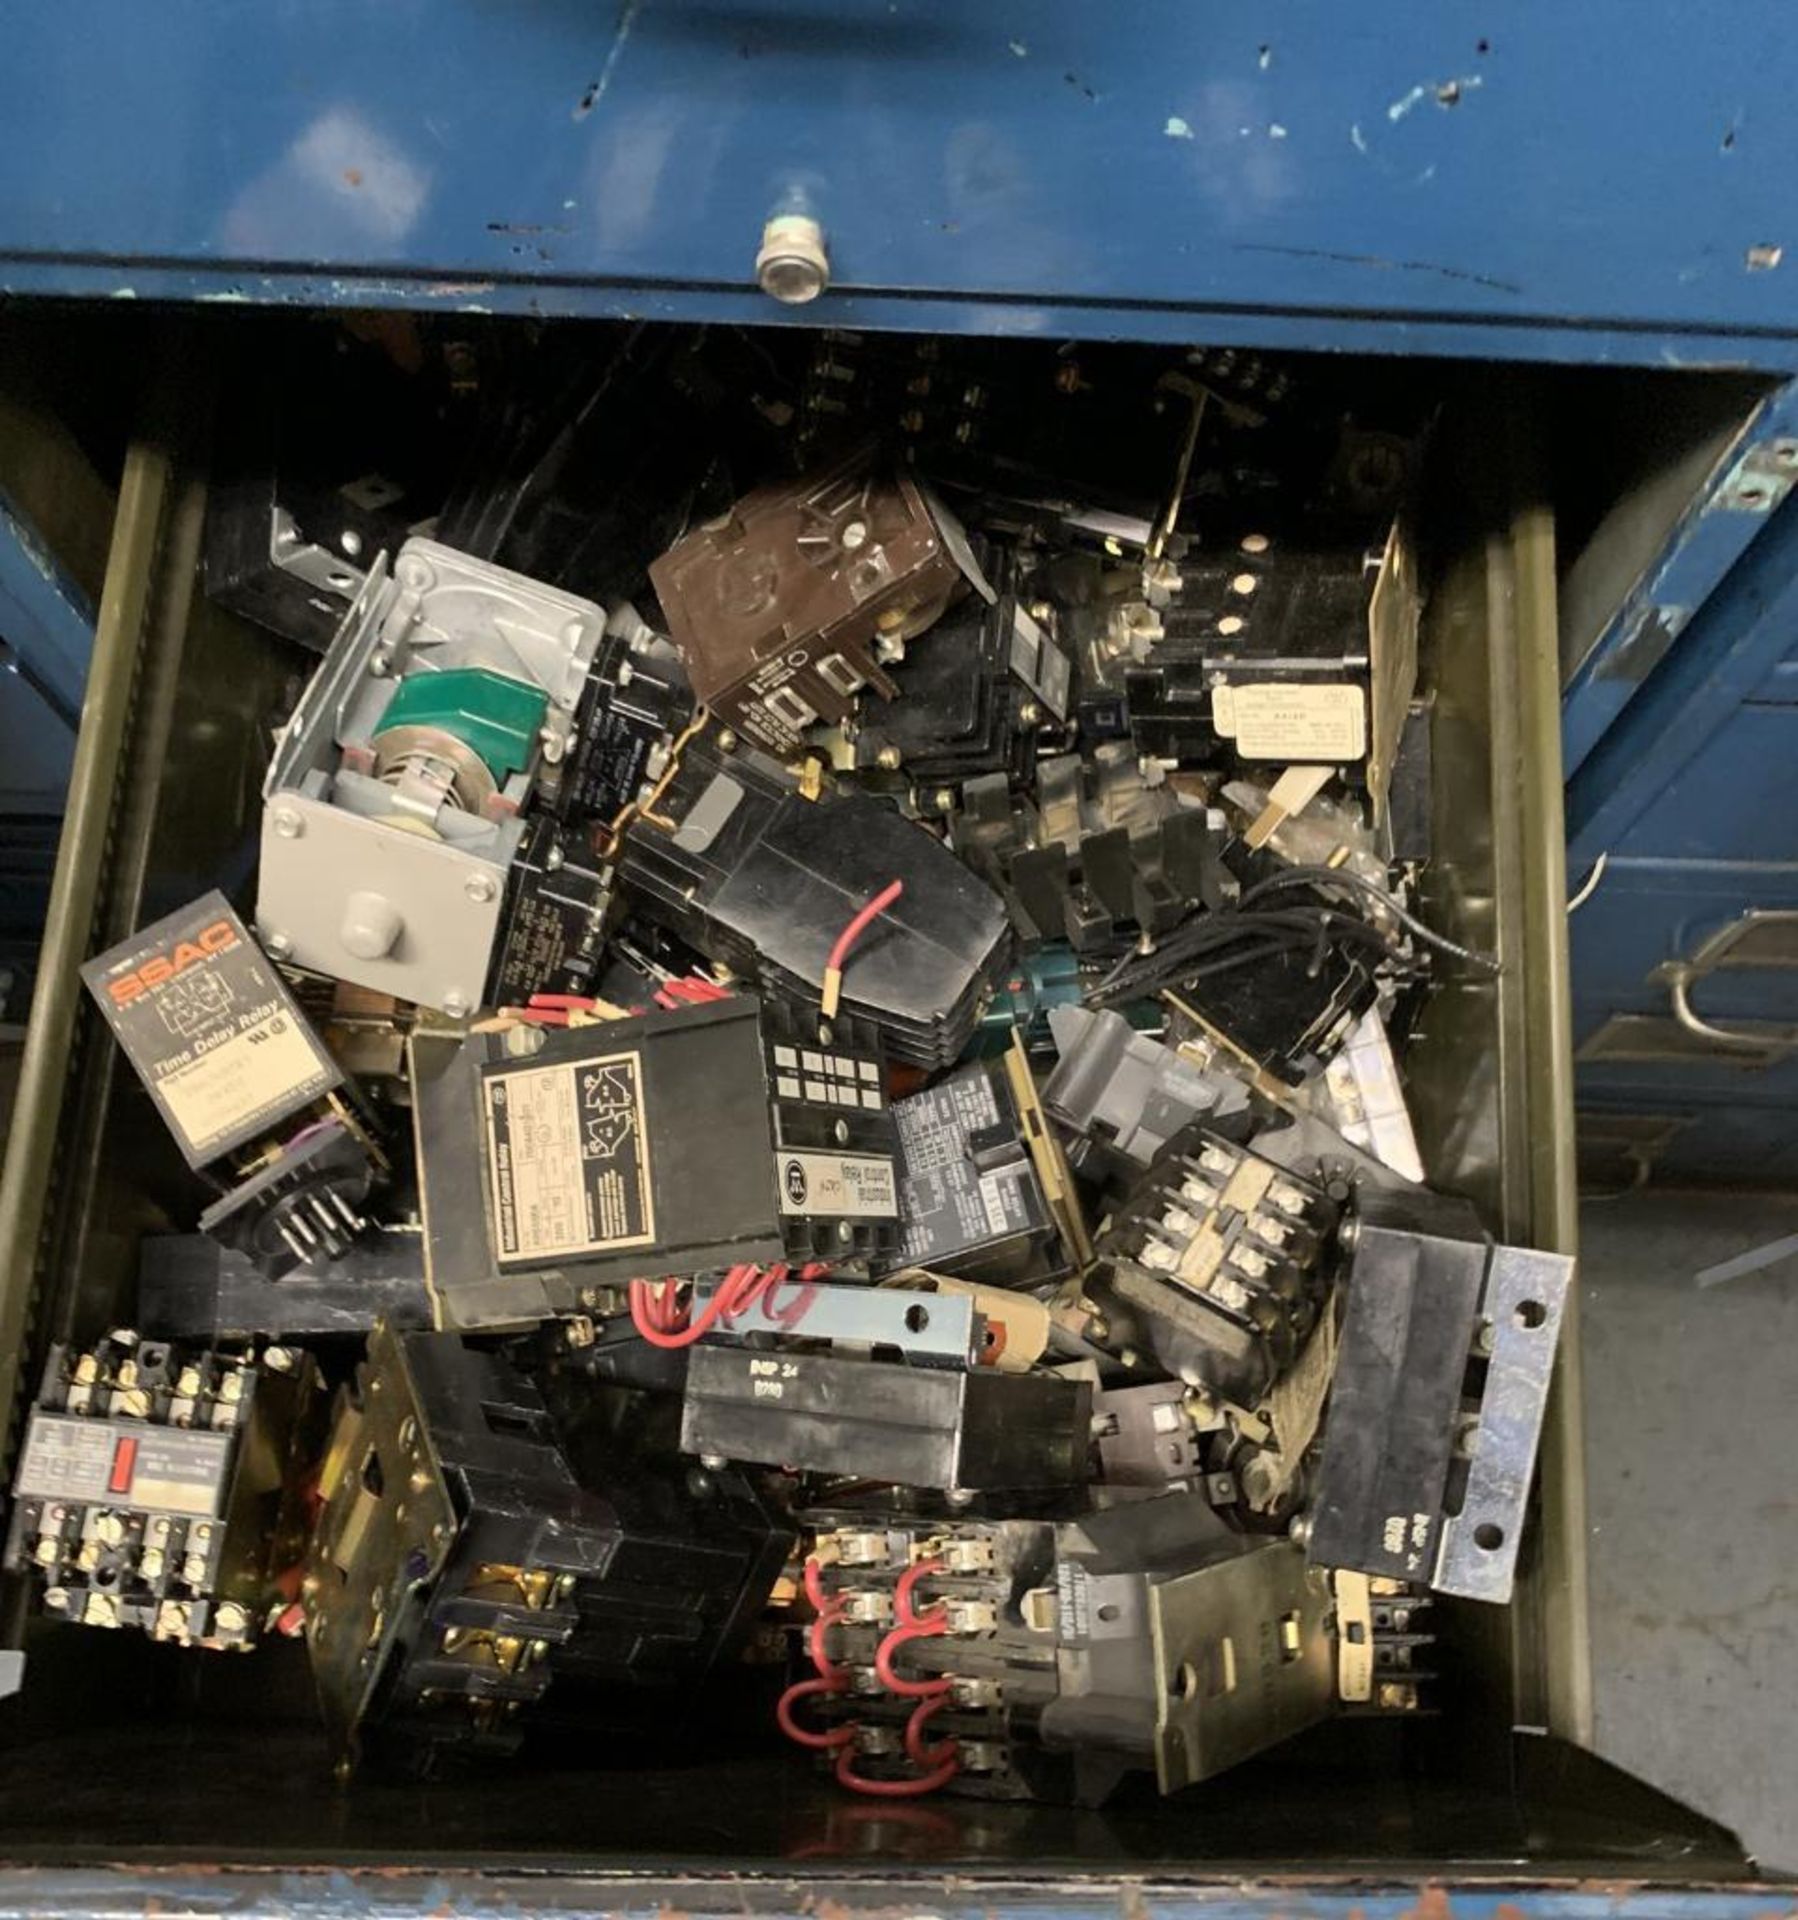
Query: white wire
x=1591, y=886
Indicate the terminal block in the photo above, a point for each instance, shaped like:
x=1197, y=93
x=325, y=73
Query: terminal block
x=1050, y=1659
x=1217, y=1266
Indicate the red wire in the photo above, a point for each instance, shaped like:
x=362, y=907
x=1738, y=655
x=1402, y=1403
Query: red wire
x=892, y=1789
x=927, y=1757
x=883, y=1660
x=859, y=925
x=653, y=1317
x=903, y=1611
x=832, y=1616
x=783, y=1714
x=814, y=1584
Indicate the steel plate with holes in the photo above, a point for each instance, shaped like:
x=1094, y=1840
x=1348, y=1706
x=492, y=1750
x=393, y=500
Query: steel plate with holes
x=373, y=1551
x=1525, y=1294
x=938, y=1329
x=1244, y=1657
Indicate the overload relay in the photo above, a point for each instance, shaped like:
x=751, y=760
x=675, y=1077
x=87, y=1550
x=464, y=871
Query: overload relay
x=161, y=1488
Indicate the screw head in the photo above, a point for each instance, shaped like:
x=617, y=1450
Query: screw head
x=855, y=536
x=288, y=823
x=414, y=571
x=841, y=1131
x=455, y=1005
x=279, y=946
x=792, y=265
x=727, y=740
x=943, y=800
x=279, y=1359
x=1030, y=714
x=713, y=1462
x=480, y=888
x=889, y=758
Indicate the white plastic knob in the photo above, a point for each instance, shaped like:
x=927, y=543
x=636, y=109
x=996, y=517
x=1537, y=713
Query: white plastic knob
x=792, y=266
x=371, y=924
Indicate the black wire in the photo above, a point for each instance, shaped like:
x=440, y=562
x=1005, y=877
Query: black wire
x=1184, y=959
x=1372, y=890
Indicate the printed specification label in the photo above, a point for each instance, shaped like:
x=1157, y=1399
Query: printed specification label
x=106, y=1463
x=1288, y=722
x=853, y=1186
x=568, y=1159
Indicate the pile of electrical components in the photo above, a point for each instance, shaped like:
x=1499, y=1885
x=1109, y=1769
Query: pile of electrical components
x=818, y=1088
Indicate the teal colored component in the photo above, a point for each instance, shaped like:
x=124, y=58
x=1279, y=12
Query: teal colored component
x=497, y=717
x=1049, y=977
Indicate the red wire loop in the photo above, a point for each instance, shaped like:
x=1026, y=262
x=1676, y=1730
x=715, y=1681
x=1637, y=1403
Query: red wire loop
x=832, y=1616
x=908, y=1585
x=823, y=1740
x=923, y=1757
x=892, y=1789
x=897, y=1682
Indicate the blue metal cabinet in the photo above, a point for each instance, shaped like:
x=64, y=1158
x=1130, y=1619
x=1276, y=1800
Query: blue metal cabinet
x=1604, y=182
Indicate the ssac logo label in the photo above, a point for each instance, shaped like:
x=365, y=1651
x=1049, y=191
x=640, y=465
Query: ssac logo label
x=796, y=1183
x=164, y=966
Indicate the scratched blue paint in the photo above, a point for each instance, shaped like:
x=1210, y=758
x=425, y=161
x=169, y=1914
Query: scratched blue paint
x=388, y=1895
x=1729, y=648
x=1713, y=532
x=1481, y=175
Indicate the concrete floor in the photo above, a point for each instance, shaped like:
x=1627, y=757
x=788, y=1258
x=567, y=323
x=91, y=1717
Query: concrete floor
x=1693, y=1489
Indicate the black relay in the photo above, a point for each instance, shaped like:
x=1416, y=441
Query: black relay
x=970, y=1201
x=670, y=1143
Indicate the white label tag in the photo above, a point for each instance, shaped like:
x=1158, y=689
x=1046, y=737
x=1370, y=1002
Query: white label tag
x=851, y=1186
x=568, y=1159
x=1287, y=722
x=260, y=1067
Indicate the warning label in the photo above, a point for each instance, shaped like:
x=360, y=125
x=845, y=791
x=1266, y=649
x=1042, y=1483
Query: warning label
x=852, y=1186
x=107, y=1463
x=568, y=1159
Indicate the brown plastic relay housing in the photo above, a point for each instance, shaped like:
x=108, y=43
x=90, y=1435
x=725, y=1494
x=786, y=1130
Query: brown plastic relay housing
x=788, y=607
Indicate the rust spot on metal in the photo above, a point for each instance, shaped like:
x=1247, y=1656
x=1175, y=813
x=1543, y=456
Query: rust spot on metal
x=353, y=175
